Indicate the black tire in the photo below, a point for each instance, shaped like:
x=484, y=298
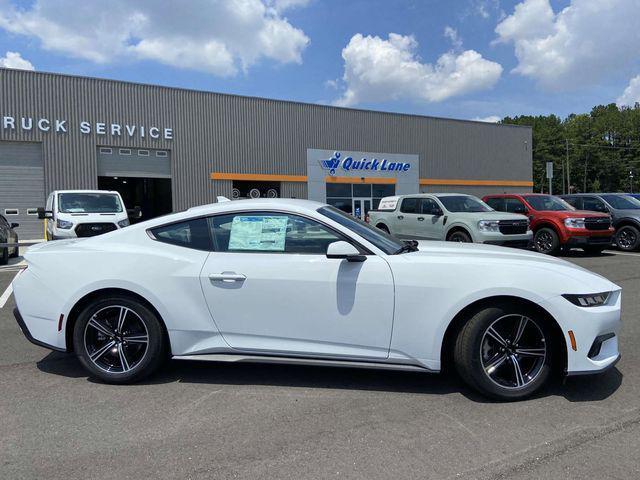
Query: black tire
x=546, y=241
x=460, y=236
x=109, y=367
x=476, y=350
x=593, y=250
x=384, y=228
x=4, y=256
x=627, y=238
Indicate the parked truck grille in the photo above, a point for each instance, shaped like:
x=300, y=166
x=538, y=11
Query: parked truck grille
x=93, y=229
x=597, y=223
x=513, y=227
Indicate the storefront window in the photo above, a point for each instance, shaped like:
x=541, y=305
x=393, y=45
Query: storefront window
x=357, y=198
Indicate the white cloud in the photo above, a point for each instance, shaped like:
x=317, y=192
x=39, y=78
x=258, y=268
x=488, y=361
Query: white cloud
x=376, y=70
x=631, y=94
x=215, y=36
x=282, y=5
x=15, y=60
x=579, y=45
x=452, y=34
x=489, y=119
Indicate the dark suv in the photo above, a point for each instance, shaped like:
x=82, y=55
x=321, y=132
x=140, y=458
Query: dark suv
x=624, y=210
x=7, y=235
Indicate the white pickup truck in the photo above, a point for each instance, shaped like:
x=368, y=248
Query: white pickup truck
x=450, y=216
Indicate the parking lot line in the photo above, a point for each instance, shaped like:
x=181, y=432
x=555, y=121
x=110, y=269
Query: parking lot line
x=6, y=294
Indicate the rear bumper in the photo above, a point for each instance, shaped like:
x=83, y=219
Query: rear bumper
x=27, y=333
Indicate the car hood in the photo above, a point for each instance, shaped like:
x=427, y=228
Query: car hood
x=580, y=214
x=504, y=257
x=493, y=215
x=631, y=213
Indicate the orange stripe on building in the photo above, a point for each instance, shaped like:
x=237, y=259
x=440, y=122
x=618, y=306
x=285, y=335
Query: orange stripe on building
x=497, y=183
x=258, y=177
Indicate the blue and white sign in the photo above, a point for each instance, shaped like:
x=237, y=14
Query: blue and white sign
x=351, y=164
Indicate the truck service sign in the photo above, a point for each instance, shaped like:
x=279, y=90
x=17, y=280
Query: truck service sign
x=62, y=126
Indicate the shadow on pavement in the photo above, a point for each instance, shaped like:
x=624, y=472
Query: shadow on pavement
x=574, y=389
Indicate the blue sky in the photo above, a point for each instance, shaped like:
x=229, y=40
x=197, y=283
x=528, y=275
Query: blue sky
x=460, y=58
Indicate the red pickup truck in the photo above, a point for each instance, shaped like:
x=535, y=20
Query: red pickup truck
x=557, y=225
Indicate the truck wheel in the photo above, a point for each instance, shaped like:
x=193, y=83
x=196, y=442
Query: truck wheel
x=383, y=227
x=459, y=236
x=546, y=241
x=628, y=238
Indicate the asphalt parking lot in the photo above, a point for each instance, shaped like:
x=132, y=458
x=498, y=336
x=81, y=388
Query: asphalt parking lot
x=204, y=420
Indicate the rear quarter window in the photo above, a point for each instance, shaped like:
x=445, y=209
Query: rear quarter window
x=189, y=234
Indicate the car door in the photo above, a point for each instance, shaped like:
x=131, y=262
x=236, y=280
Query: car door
x=270, y=288
x=431, y=219
x=407, y=218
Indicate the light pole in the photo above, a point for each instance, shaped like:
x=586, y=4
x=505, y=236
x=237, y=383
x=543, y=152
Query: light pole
x=630, y=181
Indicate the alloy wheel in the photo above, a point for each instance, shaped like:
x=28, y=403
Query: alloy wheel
x=459, y=237
x=626, y=238
x=513, y=351
x=544, y=241
x=116, y=339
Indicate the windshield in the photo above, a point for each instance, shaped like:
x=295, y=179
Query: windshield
x=464, y=203
x=547, y=203
x=377, y=237
x=89, y=203
x=622, y=202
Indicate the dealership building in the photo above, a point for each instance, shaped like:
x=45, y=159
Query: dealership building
x=167, y=149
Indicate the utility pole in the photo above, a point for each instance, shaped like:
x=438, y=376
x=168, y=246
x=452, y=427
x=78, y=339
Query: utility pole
x=630, y=181
x=568, y=168
x=586, y=162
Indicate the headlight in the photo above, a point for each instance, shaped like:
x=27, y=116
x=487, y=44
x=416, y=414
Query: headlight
x=123, y=223
x=489, y=226
x=593, y=300
x=574, y=222
x=65, y=225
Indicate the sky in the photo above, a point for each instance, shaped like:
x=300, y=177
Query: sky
x=468, y=59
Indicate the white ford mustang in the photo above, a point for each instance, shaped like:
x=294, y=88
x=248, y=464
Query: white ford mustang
x=295, y=281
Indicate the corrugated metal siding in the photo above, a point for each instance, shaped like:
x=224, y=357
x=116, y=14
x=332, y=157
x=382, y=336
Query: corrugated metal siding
x=226, y=133
x=479, y=191
x=293, y=190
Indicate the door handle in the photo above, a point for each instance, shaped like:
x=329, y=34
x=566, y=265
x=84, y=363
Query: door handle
x=400, y=217
x=227, y=277
x=420, y=219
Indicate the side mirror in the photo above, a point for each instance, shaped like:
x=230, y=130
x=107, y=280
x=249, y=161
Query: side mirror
x=42, y=213
x=14, y=225
x=135, y=212
x=345, y=251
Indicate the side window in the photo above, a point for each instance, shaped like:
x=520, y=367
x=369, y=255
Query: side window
x=594, y=204
x=513, y=205
x=575, y=202
x=496, y=204
x=190, y=234
x=264, y=232
x=409, y=205
x=429, y=206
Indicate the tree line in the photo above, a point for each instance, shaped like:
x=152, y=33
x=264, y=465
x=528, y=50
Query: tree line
x=591, y=152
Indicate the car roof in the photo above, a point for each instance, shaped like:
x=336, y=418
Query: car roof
x=85, y=191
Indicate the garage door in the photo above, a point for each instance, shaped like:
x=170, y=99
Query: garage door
x=133, y=162
x=22, y=186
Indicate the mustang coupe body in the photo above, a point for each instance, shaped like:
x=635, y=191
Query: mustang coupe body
x=296, y=281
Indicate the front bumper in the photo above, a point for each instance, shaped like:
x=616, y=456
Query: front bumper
x=595, y=331
x=27, y=333
x=522, y=240
x=583, y=241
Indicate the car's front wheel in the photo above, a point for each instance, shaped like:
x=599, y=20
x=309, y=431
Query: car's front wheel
x=546, y=240
x=628, y=238
x=119, y=339
x=504, y=352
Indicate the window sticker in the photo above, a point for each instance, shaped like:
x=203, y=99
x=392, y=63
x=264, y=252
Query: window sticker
x=262, y=233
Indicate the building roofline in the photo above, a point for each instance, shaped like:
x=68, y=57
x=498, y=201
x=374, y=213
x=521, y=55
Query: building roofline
x=252, y=97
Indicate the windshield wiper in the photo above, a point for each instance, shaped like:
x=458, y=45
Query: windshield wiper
x=409, y=246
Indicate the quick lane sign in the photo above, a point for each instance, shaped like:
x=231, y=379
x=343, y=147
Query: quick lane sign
x=349, y=164
x=59, y=126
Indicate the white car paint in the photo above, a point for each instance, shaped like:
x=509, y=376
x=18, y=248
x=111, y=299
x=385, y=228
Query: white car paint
x=389, y=309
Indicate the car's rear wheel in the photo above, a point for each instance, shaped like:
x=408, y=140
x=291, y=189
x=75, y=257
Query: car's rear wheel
x=459, y=236
x=504, y=352
x=119, y=340
x=546, y=240
x=628, y=238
